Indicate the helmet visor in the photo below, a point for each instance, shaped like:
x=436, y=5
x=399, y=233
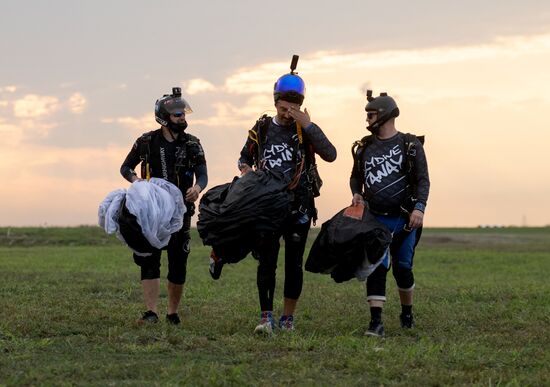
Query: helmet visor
x=177, y=106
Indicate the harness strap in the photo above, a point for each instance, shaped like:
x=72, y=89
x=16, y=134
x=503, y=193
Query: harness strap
x=258, y=133
x=410, y=157
x=358, y=148
x=144, y=152
x=299, y=168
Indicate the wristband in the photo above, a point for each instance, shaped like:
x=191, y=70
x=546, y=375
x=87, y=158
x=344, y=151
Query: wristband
x=420, y=207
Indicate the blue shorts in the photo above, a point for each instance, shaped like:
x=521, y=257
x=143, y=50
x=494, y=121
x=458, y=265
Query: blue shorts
x=401, y=249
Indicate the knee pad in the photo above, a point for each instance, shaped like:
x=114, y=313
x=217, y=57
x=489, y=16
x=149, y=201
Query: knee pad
x=187, y=246
x=177, y=279
x=376, y=284
x=404, y=278
x=293, y=284
x=178, y=252
x=150, y=266
x=149, y=272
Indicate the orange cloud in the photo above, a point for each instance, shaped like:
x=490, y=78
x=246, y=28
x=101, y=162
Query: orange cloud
x=11, y=135
x=230, y=115
x=8, y=89
x=77, y=103
x=198, y=85
x=70, y=189
x=485, y=128
x=133, y=123
x=35, y=106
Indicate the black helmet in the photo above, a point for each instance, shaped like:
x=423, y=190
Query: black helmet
x=170, y=104
x=384, y=106
x=290, y=87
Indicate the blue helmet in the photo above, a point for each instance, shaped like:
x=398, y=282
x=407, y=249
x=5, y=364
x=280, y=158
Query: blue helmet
x=290, y=88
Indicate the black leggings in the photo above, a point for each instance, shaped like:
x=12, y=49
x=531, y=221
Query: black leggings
x=295, y=237
x=178, y=251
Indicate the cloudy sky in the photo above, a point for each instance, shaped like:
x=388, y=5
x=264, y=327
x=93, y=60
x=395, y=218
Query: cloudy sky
x=78, y=83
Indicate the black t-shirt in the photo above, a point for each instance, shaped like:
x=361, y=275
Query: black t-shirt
x=177, y=161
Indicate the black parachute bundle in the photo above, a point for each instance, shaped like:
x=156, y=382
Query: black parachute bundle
x=344, y=243
x=233, y=215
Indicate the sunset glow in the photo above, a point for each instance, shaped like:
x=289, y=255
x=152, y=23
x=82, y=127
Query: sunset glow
x=482, y=104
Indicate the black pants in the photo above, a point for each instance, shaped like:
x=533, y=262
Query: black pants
x=177, y=250
x=267, y=252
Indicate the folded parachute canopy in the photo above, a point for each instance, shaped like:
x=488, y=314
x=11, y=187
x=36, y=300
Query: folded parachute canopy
x=348, y=246
x=145, y=216
x=233, y=215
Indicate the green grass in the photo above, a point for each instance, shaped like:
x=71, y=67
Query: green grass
x=69, y=298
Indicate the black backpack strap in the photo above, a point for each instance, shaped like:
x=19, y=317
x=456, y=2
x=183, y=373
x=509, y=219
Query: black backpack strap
x=410, y=160
x=357, y=151
x=313, y=179
x=257, y=136
x=194, y=151
x=410, y=153
x=144, y=152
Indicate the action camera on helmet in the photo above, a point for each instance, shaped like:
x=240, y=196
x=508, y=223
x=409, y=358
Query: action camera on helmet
x=290, y=87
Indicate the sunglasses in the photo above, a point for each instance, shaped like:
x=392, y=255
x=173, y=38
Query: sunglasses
x=371, y=115
x=178, y=114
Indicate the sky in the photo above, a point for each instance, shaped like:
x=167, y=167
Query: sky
x=79, y=80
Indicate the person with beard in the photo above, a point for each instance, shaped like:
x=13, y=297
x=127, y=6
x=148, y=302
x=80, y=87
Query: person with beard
x=172, y=154
x=390, y=174
x=286, y=144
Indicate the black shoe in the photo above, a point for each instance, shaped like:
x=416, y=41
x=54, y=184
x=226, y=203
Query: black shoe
x=173, y=319
x=216, y=266
x=148, y=317
x=407, y=320
x=376, y=328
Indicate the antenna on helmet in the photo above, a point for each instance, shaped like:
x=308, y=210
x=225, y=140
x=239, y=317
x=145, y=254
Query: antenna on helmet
x=294, y=63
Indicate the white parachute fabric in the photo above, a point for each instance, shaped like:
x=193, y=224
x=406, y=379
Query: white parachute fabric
x=368, y=267
x=158, y=207
x=109, y=211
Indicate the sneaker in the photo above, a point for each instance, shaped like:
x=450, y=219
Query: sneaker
x=266, y=325
x=286, y=323
x=216, y=265
x=407, y=321
x=148, y=317
x=173, y=319
x=375, y=329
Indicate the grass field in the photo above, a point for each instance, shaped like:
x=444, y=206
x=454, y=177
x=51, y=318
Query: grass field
x=69, y=299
